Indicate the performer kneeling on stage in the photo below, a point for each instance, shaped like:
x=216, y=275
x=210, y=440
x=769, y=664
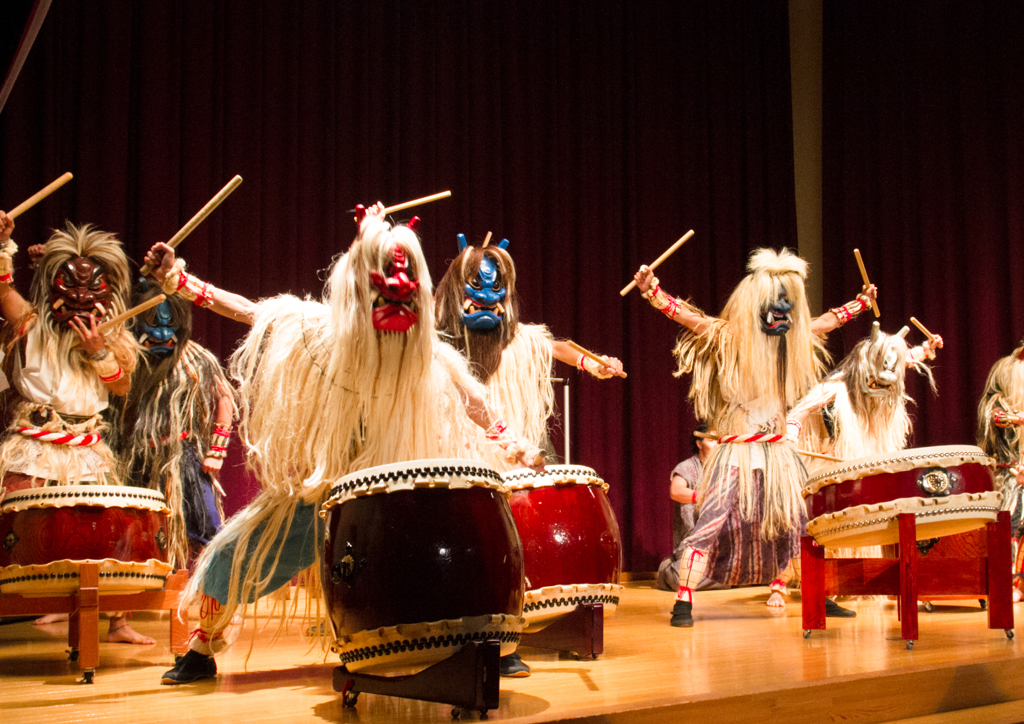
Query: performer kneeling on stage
x=357, y=380
x=749, y=367
x=63, y=367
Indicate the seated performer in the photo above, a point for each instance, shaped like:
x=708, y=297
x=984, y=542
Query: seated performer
x=327, y=388
x=859, y=409
x=175, y=424
x=64, y=369
x=683, y=485
x=477, y=311
x=1000, y=417
x=749, y=367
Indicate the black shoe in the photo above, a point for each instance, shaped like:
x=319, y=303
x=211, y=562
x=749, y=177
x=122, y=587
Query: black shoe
x=681, y=614
x=834, y=610
x=192, y=666
x=513, y=667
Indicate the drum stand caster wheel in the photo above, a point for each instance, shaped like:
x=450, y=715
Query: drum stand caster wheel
x=350, y=699
x=910, y=645
x=1009, y=633
x=928, y=607
x=73, y=655
x=984, y=603
x=807, y=633
x=87, y=675
x=457, y=713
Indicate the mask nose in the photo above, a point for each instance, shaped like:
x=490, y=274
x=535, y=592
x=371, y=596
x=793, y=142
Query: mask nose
x=161, y=334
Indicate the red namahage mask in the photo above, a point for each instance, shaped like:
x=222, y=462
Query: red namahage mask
x=394, y=305
x=79, y=285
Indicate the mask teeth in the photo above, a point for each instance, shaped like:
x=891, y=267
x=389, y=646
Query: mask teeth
x=467, y=303
x=58, y=304
x=499, y=309
x=103, y=310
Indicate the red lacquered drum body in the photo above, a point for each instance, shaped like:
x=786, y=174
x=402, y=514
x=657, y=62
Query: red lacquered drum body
x=420, y=558
x=856, y=503
x=46, y=533
x=570, y=539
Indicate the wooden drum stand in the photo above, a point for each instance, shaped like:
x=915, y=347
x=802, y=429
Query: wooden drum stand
x=85, y=605
x=912, y=575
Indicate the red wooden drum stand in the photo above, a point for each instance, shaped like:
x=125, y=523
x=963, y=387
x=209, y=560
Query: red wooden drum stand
x=422, y=571
x=910, y=576
x=573, y=556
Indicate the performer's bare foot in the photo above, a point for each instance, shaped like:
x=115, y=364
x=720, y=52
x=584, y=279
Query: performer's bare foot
x=776, y=600
x=1016, y=598
x=121, y=633
x=50, y=618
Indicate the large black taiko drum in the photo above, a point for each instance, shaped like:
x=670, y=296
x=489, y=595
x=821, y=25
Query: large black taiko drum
x=419, y=559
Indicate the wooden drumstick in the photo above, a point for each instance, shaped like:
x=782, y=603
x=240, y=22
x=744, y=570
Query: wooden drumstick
x=133, y=312
x=417, y=202
x=668, y=252
x=198, y=218
x=39, y=196
x=924, y=330
x=587, y=353
x=867, y=282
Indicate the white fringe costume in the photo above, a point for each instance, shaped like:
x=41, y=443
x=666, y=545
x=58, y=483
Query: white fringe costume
x=751, y=513
x=1000, y=417
x=868, y=415
x=60, y=392
x=323, y=393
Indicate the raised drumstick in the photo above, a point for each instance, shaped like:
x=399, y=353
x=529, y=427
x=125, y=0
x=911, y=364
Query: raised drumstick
x=587, y=353
x=924, y=330
x=39, y=196
x=417, y=202
x=867, y=282
x=668, y=252
x=198, y=218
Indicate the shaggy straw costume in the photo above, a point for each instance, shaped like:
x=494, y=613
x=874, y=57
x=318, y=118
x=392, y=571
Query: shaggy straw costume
x=325, y=392
x=167, y=424
x=1000, y=417
x=60, y=388
x=868, y=415
x=751, y=514
x=512, y=359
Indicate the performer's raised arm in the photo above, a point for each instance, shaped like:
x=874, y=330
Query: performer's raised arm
x=12, y=305
x=671, y=307
x=170, y=274
x=838, y=316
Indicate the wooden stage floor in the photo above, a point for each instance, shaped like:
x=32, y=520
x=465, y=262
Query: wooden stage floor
x=739, y=664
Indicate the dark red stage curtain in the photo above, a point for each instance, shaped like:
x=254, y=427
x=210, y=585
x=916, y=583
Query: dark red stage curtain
x=923, y=166
x=592, y=134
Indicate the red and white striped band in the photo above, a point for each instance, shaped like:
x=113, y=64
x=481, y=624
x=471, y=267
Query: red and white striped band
x=755, y=437
x=57, y=438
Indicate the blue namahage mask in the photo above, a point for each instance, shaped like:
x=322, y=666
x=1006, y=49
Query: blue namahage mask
x=158, y=334
x=775, y=317
x=484, y=293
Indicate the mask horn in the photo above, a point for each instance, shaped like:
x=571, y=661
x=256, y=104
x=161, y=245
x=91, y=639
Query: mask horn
x=876, y=329
x=414, y=223
x=503, y=244
x=903, y=332
x=143, y=285
x=461, y=238
x=1020, y=353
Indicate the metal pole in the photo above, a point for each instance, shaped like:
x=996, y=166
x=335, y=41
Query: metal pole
x=565, y=410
